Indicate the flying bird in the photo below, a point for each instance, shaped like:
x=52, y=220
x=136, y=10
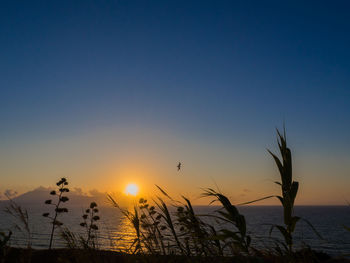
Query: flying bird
x=179, y=166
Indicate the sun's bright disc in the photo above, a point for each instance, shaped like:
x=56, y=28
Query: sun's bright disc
x=132, y=189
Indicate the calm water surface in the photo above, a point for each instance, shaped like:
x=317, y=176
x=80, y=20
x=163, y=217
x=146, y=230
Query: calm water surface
x=116, y=232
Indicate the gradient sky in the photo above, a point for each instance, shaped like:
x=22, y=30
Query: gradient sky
x=111, y=92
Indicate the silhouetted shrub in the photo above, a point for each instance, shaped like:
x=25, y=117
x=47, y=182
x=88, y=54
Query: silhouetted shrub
x=62, y=188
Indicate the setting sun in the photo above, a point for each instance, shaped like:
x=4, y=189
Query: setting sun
x=132, y=189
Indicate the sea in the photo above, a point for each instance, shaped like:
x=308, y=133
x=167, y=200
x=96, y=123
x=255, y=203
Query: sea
x=116, y=233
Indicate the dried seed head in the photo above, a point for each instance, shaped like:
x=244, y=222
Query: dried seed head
x=57, y=223
x=95, y=218
x=64, y=199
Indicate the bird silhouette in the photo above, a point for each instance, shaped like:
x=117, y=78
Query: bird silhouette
x=179, y=166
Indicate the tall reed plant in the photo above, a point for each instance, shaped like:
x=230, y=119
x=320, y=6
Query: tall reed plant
x=90, y=219
x=235, y=237
x=289, y=190
x=60, y=198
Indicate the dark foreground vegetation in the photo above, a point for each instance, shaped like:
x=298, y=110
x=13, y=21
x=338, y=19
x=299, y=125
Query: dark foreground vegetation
x=169, y=230
x=102, y=256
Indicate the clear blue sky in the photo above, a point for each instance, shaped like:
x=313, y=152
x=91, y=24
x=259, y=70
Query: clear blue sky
x=212, y=71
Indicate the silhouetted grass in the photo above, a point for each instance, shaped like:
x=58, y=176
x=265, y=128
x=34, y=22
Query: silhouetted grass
x=4, y=239
x=90, y=240
x=20, y=219
x=168, y=230
x=235, y=237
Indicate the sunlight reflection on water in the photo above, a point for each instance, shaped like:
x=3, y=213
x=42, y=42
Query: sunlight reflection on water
x=120, y=237
x=117, y=233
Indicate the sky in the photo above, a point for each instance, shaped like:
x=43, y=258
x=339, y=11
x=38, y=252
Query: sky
x=108, y=93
